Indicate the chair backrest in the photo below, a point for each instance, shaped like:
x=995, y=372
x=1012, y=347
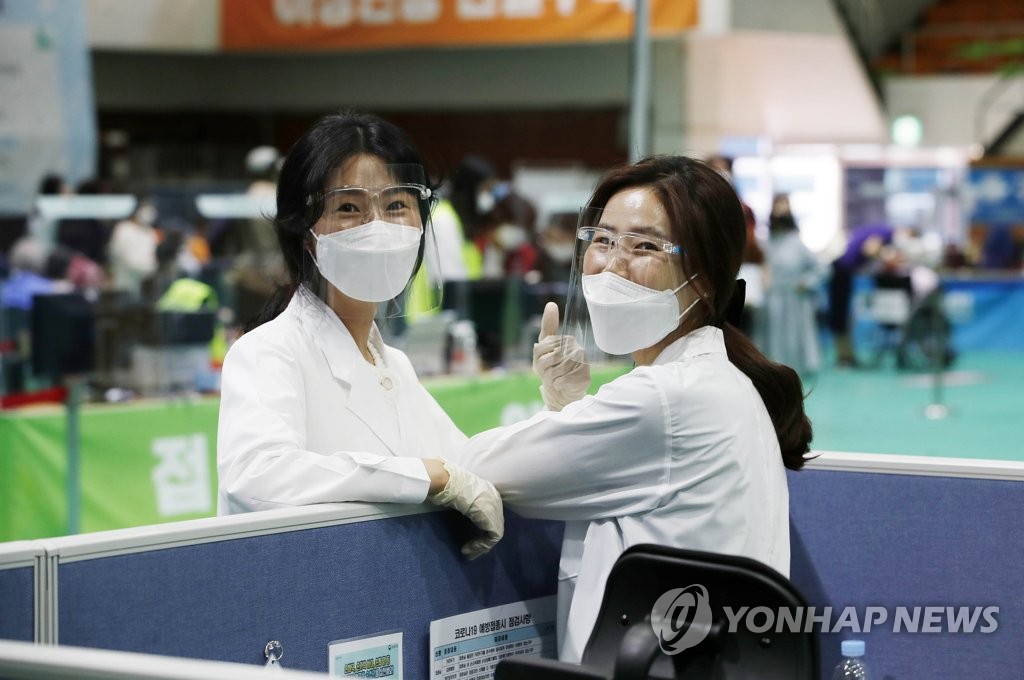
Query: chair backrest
x=890, y=306
x=63, y=331
x=746, y=627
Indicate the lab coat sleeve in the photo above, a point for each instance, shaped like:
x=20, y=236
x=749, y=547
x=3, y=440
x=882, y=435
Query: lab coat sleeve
x=261, y=454
x=602, y=456
x=452, y=437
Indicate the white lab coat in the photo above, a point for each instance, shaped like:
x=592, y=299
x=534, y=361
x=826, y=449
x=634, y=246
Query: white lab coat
x=681, y=453
x=304, y=418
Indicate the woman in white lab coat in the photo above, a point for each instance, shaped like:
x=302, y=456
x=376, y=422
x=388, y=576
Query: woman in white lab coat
x=689, y=449
x=315, y=408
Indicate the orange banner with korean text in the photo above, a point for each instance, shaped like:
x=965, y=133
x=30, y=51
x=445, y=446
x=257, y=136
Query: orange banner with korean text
x=374, y=24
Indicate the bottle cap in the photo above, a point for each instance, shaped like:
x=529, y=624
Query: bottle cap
x=853, y=648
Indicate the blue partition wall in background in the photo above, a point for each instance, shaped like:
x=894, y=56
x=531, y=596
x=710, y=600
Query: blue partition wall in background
x=225, y=600
x=17, y=618
x=895, y=532
x=906, y=540
x=19, y=578
x=987, y=314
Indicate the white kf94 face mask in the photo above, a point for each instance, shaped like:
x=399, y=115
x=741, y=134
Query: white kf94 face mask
x=625, y=316
x=372, y=262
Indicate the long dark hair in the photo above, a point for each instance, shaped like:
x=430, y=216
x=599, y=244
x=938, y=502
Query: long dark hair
x=323, y=147
x=707, y=221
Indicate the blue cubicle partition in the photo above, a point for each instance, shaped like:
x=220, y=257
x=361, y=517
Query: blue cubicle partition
x=223, y=597
x=868, y=530
x=20, y=578
x=26, y=661
x=864, y=539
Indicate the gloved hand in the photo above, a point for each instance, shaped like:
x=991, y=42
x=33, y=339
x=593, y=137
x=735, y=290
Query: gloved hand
x=477, y=499
x=563, y=373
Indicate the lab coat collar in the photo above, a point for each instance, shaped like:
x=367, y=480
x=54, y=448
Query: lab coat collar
x=332, y=336
x=366, y=399
x=704, y=340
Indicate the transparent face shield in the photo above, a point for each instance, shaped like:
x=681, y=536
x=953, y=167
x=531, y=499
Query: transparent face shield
x=371, y=238
x=627, y=289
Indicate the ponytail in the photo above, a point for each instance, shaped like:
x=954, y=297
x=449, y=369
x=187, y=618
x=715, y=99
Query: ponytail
x=782, y=392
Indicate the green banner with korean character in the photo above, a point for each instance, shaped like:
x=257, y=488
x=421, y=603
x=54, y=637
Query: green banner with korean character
x=139, y=464
x=156, y=461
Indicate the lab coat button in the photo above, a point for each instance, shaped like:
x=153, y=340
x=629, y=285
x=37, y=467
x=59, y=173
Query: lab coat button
x=386, y=382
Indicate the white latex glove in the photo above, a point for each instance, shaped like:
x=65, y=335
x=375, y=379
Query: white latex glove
x=477, y=499
x=564, y=375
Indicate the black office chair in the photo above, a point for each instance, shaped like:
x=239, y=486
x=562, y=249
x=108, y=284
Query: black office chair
x=624, y=646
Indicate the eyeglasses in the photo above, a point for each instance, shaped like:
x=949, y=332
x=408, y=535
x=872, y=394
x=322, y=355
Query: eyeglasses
x=602, y=240
x=346, y=207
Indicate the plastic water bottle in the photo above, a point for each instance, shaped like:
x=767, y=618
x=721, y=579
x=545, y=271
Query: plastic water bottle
x=852, y=666
x=463, y=359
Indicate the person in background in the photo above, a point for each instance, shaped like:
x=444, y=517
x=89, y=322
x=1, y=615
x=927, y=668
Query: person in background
x=506, y=240
x=919, y=254
x=191, y=252
x=86, y=236
x=557, y=242
x=53, y=185
x=459, y=215
x=196, y=245
x=245, y=248
x=723, y=165
x=508, y=254
x=689, y=449
x=172, y=263
x=262, y=164
x=863, y=245
x=752, y=269
x=794, y=275
x=461, y=203
x=475, y=189
x=131, y=252
x=27, y=277
x=44, y=229
x=315, y=408
x=27, y=261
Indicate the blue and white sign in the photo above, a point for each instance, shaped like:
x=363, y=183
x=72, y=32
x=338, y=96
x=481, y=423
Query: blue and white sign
x=47, y=116
x=997, y=195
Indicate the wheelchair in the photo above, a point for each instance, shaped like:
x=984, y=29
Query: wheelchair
x=918, y=333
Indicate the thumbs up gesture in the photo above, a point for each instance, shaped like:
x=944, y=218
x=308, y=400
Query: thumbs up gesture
x=559, y=361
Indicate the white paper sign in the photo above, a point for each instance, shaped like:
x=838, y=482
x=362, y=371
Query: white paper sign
x=376, y=656
x=469, y=646
x=181, y=478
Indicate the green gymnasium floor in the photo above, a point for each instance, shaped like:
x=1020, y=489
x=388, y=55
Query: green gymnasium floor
x=883, y=410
